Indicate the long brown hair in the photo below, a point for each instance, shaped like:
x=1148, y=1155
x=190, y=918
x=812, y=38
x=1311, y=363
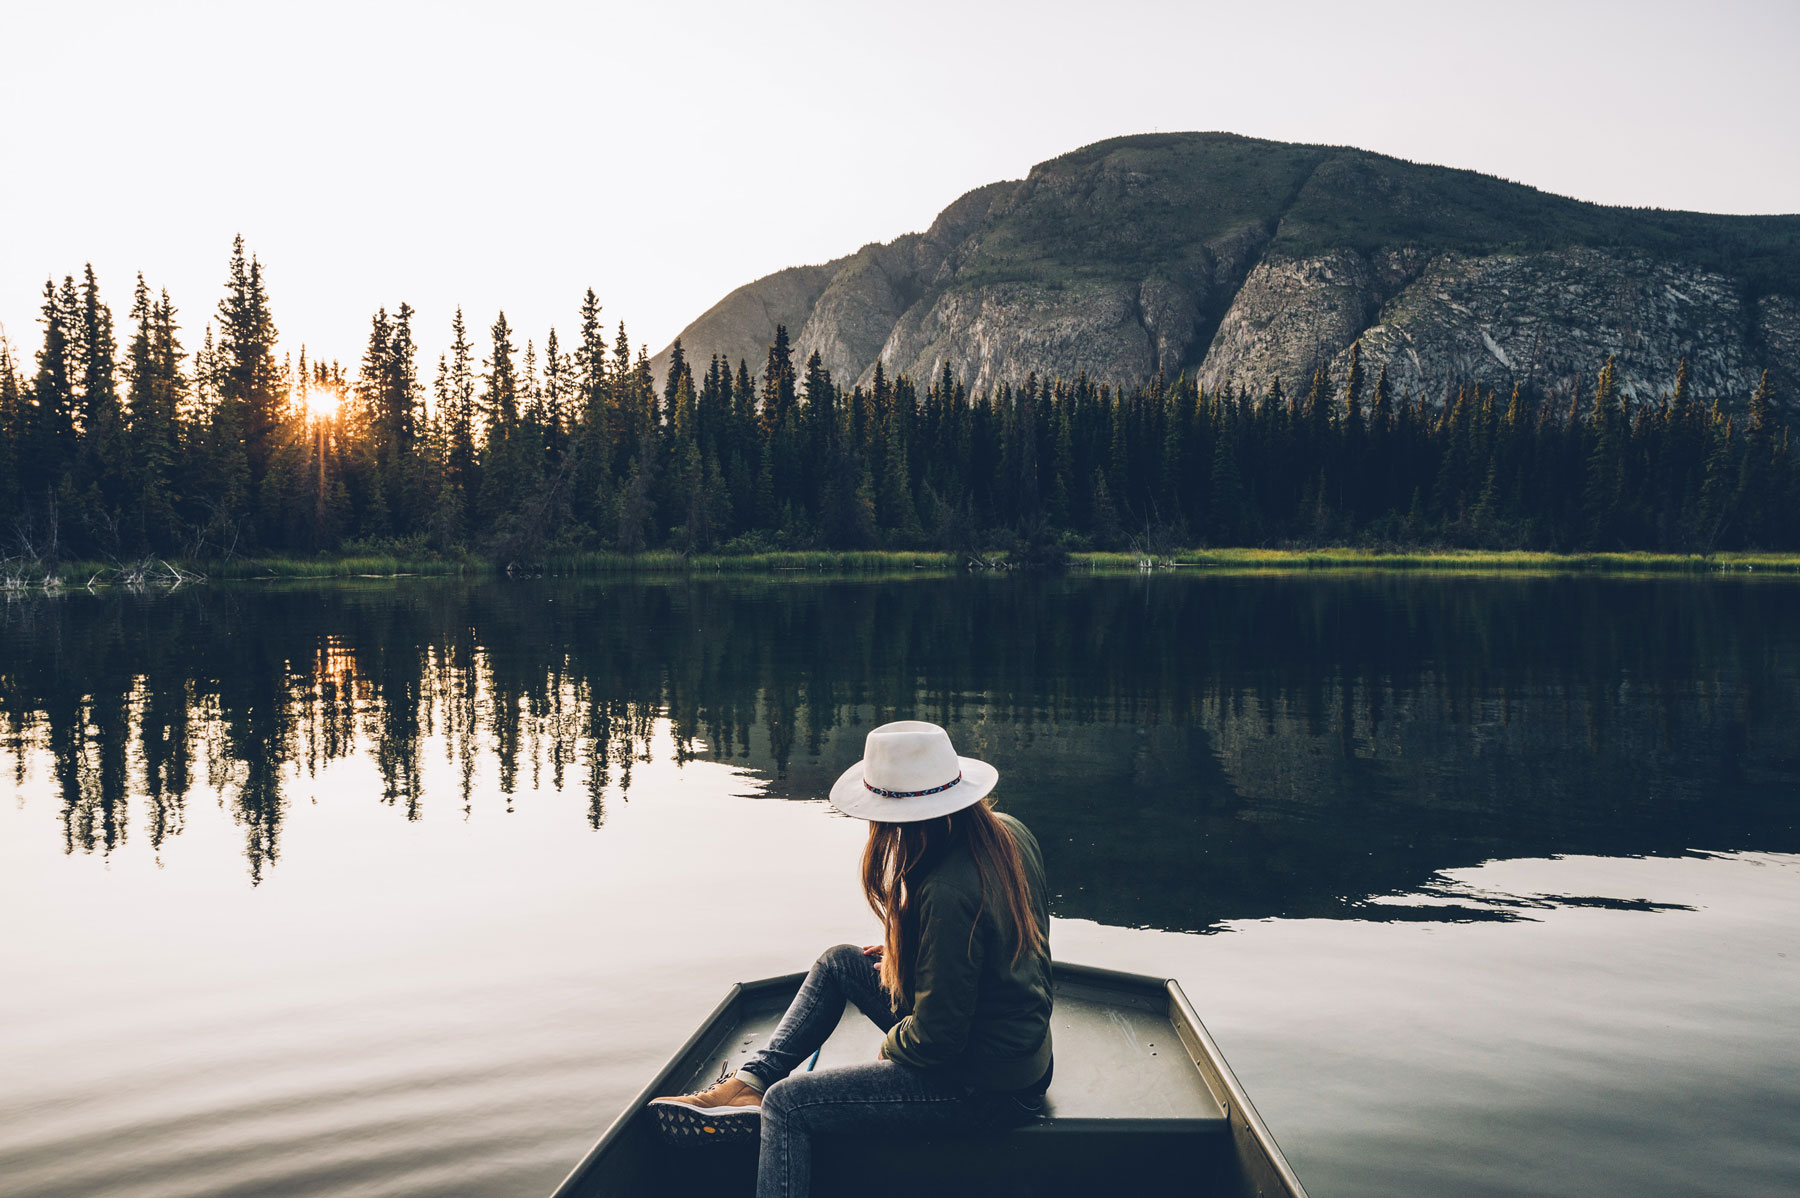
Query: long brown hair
x=895, y=851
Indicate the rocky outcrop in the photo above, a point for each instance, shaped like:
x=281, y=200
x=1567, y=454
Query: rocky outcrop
x=1241, y=260
x=1289, y=315
x=741, y=326
x=994, y=334
x=1546, y=319
x=845, y=309
x=1778, y=332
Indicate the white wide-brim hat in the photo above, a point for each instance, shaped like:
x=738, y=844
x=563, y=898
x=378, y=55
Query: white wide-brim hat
x=910, y=772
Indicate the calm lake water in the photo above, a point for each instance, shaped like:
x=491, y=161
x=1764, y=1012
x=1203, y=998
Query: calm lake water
x=1484, y=886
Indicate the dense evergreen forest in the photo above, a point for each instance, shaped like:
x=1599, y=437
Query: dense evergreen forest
x=517, y=453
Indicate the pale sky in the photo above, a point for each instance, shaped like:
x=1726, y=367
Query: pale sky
x=512, y=155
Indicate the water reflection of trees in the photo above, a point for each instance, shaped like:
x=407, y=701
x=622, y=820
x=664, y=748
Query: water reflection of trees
x=1188, y=748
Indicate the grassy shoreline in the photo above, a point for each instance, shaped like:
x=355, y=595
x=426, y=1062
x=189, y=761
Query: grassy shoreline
x=16, y=576
x=1489, y=560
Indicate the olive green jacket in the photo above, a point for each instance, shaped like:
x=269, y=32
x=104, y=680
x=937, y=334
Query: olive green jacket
x=973, y=1010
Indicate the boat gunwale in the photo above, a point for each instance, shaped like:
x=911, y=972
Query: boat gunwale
x=1165, y=994
x=1239, y=1110
x=739, y=993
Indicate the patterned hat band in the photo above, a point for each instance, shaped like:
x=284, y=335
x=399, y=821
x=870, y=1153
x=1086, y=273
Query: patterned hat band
x=911, y=794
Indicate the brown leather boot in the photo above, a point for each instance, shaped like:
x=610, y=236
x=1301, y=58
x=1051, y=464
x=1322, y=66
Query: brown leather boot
x=726, y=1110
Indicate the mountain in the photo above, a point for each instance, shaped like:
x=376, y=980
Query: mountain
x=1238, y=259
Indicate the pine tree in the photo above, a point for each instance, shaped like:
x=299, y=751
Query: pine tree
x=1107, y=528
x=744, y=452
x=1353, y=385
x=1352, y=462
x=219, y=491
x=590, y=363
x=594, y=440
x=1380, y=494
x=444, y=530
x=1679, y=406
x=1063, y=478
x=102, y=416
x=500, y=399
x=680, y=373
x=1227, y=500
x=637, y=510
x=462, y=463
x=778, y=382
x=502, y=468
x=625, y=417
x=531, y=392
x=1318, y=411
x=371, y=380
x=1177, y=440
x=559, y=391
x=1603, y=490
x=48, y=443
x=12, y=406
x=820, y=407
x=1757, y=497
x=1719, y=488
x=1762, y=403
x=402, y=401
x=157, y=388
x=400, y=387
x=248, y=379
x=894, y=501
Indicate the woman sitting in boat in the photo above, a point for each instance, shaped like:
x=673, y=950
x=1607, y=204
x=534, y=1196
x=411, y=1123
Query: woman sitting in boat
x=961, y=984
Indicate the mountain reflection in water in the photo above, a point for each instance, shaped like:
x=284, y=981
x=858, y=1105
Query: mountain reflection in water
x=1190, y=749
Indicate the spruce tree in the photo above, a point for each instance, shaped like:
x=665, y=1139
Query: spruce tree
x=679, y=373
x=248, y=379
x=401, y=392
x=157, y=388
x=1757, y=497
x=102, y=416
x=1762, y=404
x=462, y=462
x=1226, y=504
x=559, y=390
x=593, y=441
x=217, y=502
x=894, y=501
x=1603, y=489
x=1062, y=468
x=12, y=404
x=1719, y=488
x=1380, y=493
x=48, y=424
x=778, y=381
x=1352, y=462
x=402, y=405
x=502, y=470
x=590, y=362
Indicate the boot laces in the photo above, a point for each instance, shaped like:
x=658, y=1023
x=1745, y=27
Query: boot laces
x=725, y=1075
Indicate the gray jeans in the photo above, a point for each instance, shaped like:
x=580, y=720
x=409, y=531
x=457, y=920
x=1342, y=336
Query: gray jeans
x=879, y=1096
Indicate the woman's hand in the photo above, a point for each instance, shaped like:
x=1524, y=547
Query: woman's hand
x=873, y=953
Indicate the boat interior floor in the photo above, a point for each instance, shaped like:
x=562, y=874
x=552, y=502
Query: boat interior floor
x=1127, y=1105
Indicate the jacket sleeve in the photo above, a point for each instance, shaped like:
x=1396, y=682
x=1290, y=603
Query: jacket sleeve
x=946, y=979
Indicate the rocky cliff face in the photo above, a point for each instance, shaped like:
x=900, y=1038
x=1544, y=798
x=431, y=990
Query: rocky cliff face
x=1547, y=318
x=1241, y=261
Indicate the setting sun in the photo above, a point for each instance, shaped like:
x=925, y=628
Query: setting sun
x=321, y=403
